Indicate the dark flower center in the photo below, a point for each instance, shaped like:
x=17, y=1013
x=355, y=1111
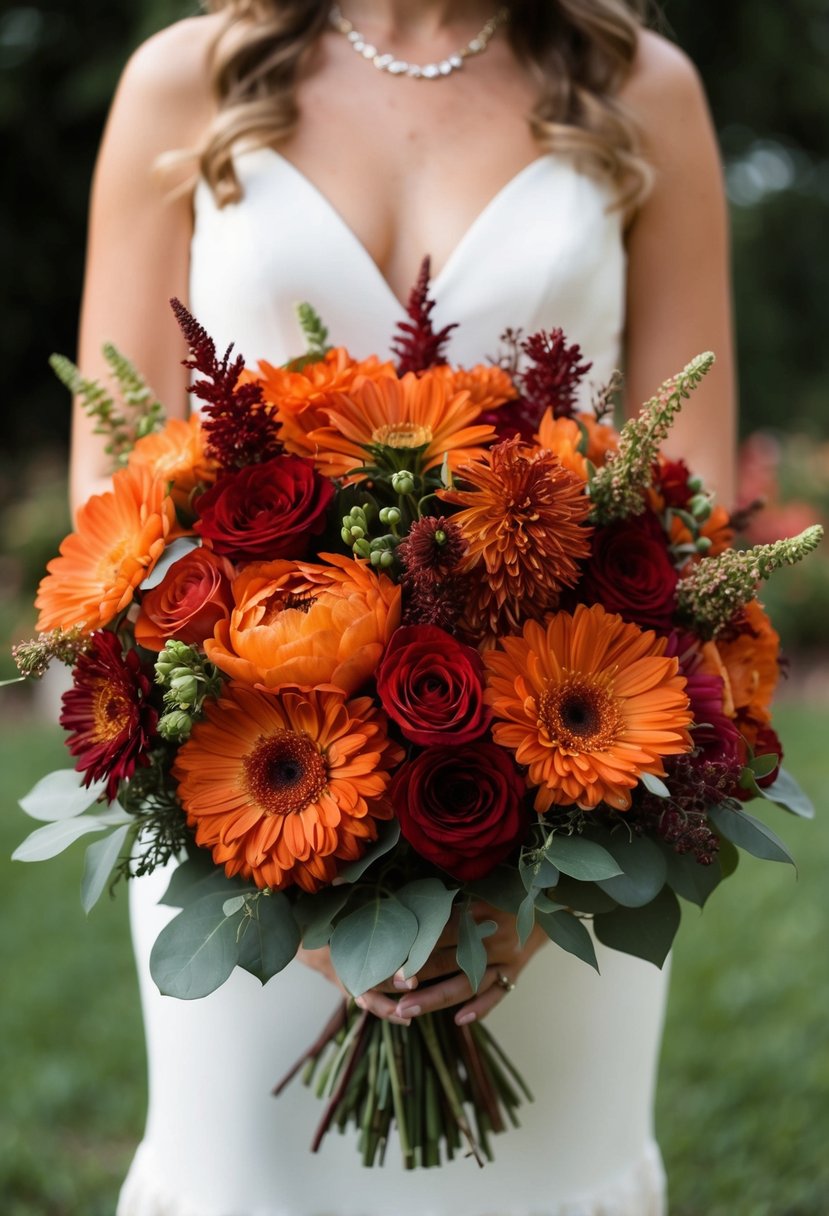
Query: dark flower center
x=284, y=773
x=580, y=714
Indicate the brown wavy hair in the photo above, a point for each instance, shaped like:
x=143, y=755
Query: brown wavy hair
x=580, y=52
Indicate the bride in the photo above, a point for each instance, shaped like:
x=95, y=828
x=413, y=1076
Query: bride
x=557, y=162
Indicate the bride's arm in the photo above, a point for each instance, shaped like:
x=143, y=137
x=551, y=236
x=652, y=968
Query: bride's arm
x=139, y=236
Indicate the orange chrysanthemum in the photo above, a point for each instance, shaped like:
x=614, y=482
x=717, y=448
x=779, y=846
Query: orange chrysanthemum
x=284, y=789
x=577, y=440
x=488, y=386
x=588, y=703
x=300, y=625
x=306, y=392
x=176, y=454
x=412, y=412
x=119, y=537
x=747, y=657
x=524, y=523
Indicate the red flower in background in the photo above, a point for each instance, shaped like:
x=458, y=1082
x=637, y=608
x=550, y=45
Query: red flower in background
x=190, y=600
x=631, y=573
x=433, y=686
x=461, y=808
x=108, y=711
x=265, y=511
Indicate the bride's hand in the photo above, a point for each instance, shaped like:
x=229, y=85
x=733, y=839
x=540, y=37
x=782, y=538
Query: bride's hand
x=376, y=1001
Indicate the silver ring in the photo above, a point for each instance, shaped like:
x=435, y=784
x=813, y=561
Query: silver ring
x=504, y=982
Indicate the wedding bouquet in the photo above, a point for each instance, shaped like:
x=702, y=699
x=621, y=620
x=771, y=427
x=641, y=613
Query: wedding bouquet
x=366, y=645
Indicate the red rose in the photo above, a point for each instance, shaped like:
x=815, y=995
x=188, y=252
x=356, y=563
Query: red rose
x=265, y=511
x=433, y=686
x=461, y=808
x=190, y=600
x=630, y=572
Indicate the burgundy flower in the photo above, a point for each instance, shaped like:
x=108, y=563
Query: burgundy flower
x=190, y=600
x=672, y=483
x=265, y=511
x=630, y=572
x=461, y=808
x=108, y=711
x=764, y=741
x=433, y=686
x=432, y=551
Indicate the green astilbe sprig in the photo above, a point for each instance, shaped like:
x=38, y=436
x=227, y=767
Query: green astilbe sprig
x=33, y=657
x=618, y=489
x=718, y=587
x=136, y=413
x=315, y=334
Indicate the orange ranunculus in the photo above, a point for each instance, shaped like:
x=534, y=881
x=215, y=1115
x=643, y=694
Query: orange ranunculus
x=413, y=412
x=577, y=440
x=119, y=537
x=296, y=624
x=747, y=655
x=306, y=392
x=177, y=454
x=285, y=788
x=188, y=602
x=589, y=704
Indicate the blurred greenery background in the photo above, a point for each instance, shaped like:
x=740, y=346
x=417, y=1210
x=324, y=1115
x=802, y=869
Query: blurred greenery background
x=742, y=1102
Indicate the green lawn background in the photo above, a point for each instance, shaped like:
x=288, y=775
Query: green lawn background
x=743, y=1104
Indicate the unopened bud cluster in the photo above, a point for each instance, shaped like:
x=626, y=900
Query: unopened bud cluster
x=378, y=550
x=187, y=678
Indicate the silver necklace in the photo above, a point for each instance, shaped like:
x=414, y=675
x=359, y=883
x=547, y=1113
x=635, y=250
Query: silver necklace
x=427, y=71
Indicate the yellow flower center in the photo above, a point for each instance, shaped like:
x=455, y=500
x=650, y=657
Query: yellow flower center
x=401, y=435
x=284, y=772
x=580, y=714
x=110, y=712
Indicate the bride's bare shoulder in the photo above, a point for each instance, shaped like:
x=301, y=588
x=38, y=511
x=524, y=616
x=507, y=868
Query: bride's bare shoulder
x=663, y=86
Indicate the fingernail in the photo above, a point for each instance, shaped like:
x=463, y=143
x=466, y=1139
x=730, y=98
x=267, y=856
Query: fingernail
x=402, y=1021
x=400, y=982
x=407, y=1011
x=463, y=1019
x=359, y=1002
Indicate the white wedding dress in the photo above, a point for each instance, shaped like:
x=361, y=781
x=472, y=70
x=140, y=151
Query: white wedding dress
x=546, y=251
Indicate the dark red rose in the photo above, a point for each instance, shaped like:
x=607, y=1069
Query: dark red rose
x=433, y=686
x=461, y=808
x=190, y=600
x=265, y=511
x=630, y=572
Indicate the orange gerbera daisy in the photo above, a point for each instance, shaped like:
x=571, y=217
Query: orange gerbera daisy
x=588, y=703
x=577, y=440
x=301, y=625
x=284, y=789
x=412, y=412
x=119, y=537
x=307, y=391
x=176, y=454
x=525, y=527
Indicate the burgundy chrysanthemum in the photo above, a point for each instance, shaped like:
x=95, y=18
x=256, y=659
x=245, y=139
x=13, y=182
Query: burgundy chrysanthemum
x=417, y=345
x=432, y=550
x=240, y=426
x=108, y=710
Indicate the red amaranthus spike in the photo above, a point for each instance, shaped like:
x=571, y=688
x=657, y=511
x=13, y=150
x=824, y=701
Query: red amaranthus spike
x=553, y=376
x=416, y=345
x=240, y=425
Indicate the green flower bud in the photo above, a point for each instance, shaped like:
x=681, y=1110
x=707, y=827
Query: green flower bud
x=390, y=515
x=175, y=726
x=346, y=535
x=695, y=484
x=357, y=533
x=184, y=688
x=362, y=548
x=386, y=559
x=703, y=544
x=402, y=482
x=376, y=557
x=700, y=507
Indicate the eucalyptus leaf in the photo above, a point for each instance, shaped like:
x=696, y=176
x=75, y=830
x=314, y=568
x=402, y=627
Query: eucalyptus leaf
x=526, y=917
x=729, y=857
x=60, y=795
x=370, y=944
x=173, y=553
x=431, y=902
x=582, y=896
x=761, y=766
x=539, y=874
x=688, y=878
x=99, y=862
x=655, y=785
x=269, y=937
x=197, y=875
x=580, y=858
x=785, y=792
x=749, y=833
x=388, y=837
x=195, y=953
x=502, y=888
x=568, y=932
x=53, y=838
x=233, y=905
x=643, y=867
x=315, y=915
x=646, y=933
x=471, y=953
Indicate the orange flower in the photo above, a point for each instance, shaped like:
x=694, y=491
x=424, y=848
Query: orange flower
x=411, y=412
x=588, y=703
x=119, y=537
x=524, y=525
x=717, y=528
x=284, y=789
x=748, y=658
x=488, y=386
x=176, y=454
x=306, y=392
x=577, y=440
x=295, y=624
